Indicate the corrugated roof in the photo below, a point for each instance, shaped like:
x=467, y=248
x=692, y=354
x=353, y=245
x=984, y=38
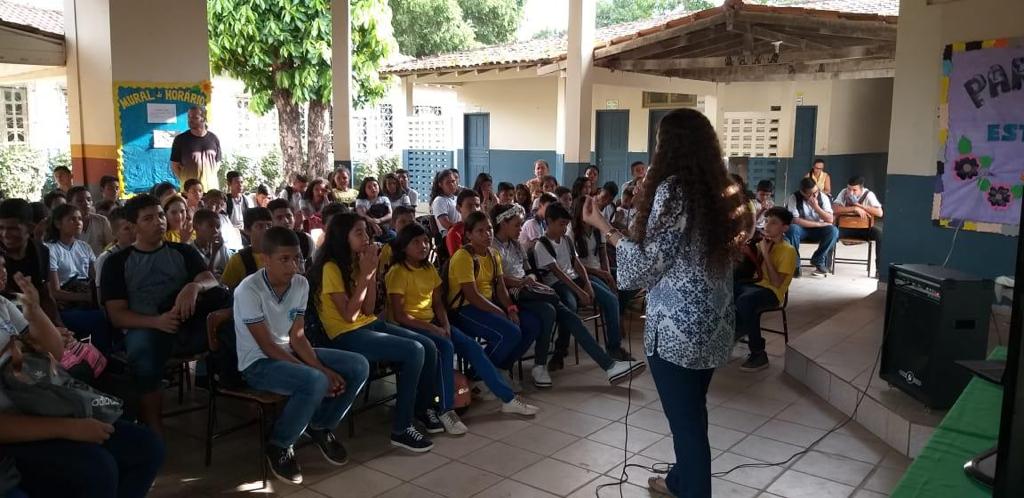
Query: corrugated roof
x=32, y=19
x=548, y=50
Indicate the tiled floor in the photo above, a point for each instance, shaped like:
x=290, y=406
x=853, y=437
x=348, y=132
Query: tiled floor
x=579, y=440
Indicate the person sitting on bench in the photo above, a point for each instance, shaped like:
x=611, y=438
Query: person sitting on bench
x=812, y=220
x=857, y=201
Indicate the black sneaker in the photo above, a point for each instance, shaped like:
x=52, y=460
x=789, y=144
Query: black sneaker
x=283, y=465
x=755, y=362
x=619, y=354
x=329, y=445
x=431, y=422
x=557, y=362
x=412, y=440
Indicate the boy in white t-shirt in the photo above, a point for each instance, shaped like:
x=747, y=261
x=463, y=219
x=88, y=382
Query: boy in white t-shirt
x=556, y=253
x=534, y=227
x=274, y=355
x=124, y=236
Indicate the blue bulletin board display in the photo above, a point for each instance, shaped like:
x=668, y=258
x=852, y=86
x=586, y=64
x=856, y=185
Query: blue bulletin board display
x=147, y=117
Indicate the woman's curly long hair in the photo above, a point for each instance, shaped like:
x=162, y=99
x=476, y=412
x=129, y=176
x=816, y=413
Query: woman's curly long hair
x=688, y=152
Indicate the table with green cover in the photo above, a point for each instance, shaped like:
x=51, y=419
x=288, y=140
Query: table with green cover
x=970, y=427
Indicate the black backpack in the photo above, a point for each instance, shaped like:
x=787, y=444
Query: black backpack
x=249, y=260
x=460, y=299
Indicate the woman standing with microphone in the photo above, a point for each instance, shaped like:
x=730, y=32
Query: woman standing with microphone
x=681, y=249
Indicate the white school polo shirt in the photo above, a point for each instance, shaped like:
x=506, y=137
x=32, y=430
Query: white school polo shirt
x=255, y=302
x=563, y=257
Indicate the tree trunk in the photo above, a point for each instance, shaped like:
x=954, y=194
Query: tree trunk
x=289, y=124
x=316, y=145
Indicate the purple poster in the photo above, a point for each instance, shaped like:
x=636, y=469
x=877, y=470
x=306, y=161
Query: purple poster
x=981, y=171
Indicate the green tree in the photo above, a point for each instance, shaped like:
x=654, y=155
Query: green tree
x=619, y=11
x=281, y=51
x=428, y=27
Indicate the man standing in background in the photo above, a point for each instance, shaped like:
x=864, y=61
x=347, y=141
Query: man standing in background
x=196, y=152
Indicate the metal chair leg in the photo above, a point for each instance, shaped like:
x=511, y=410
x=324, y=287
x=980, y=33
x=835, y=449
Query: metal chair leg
x=260, y=414
x=211, y=408
x=785, y=326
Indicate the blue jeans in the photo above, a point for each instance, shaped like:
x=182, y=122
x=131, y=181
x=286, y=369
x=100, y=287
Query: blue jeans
x=89, y=323
x=683, y=393
x=123, y=467
x=826, y=237
x=415, y=355
x=751, y=300
x=570, y=324
x=607, y=302
x=468, y=348
x=538, y=318
x=506, y=341
x=148, y=351
x=306, y=388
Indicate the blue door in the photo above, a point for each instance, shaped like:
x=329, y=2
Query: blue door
x=803, y=144
x=612, y=147
x=477, y=143
x=652, y=131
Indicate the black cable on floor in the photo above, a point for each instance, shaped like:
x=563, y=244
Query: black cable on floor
x=624, y=477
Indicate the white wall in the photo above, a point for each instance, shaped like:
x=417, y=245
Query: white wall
x=523, y=111
x=923, y=32
x=760, y=97
x=859, y=116
x=47, y=114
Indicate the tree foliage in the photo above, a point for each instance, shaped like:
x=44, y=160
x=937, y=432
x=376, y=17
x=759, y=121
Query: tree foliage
x=428, y=27
x=619, y=11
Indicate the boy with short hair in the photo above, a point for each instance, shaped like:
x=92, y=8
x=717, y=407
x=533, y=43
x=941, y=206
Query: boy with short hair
x=275, y=355
x=62, y=176
x=564, y=195
x=110, y=190
x=293, y=193
x=237, y=202
x=778, y=263
x=403, y=181
x=124, y=236
x=208, y=241
x=625, y=213
x=606, y=200
x=216, y=201
x=283, y=216
x=96, y=229
x=556, y=253
x=467, y=202
x=506, y=194
x=637, y=170
x=764, y=200
x=535, y=227
x=247, y=261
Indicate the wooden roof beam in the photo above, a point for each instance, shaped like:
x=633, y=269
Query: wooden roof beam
x=671, y=44
x=843, y=27
x=831, y=55
x=878, y=68
x=657, y=36
x=766, y=34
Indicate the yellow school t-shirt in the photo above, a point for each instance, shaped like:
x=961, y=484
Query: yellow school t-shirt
x=417, y=286
x=234, y=270
x=385, y=259
x=334, y=324
x=784, y=258
x=460, y=271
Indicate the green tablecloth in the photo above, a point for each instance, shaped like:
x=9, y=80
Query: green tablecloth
x=970, y=427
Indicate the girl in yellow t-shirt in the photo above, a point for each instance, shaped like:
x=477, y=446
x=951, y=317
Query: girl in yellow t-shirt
x=179, y=221
x=417, y=303
x=344, y=281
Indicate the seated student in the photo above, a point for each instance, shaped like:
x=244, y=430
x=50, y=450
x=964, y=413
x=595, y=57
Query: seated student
x=37, y=224
x=179, y=220
x=535, y=298
x=314, y=201
x=95, y=227
x=506, y=194
x=375, y=208
x=564, y=195
x=344, y=286
x=404, y=216
x=192, y=191
x=341, y=187
x=778, y=260
x=479, y=299
x=812, y=220
x=394, y=191
x=261, y=197
x=274, y=355
x=567, y=275
x=208, y=241
x=163, y=190
x=606, y=200
x=215, y=201
x=26, y=256
x=110, y=190
x=251, y=258
x=417, y=303
x=66, y=456
x=62, y=177
x=150, y=290
x=637, y=170
x=593, y=174
x=442, y=200
x=124, y=236
x=71, y=259
x=283, y=216
x=534, y=185
x=535, y=227
x=548, y=186
x=484, y=187
x=403, y=181
x=467, y=202
x=293, y=193
x=54, y=199
x=592, y=251
x=763, y=201
x=858, y=201
x=105, y=207
x=522, y=197
x=626, y=212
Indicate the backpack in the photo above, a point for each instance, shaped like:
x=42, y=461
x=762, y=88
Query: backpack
x=313, y=326
x=460, y=299
x=223, y=363
x=303, y=244
x=249, y=260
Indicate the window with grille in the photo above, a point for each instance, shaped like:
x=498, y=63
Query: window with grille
x=751, y=134
x=15, y=117
x=427, y=110
x=655, y=100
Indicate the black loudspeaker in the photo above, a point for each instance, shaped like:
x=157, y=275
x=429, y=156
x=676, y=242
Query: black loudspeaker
x=934, y=316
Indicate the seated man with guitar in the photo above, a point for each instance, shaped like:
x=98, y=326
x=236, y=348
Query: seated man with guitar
x=857, y=209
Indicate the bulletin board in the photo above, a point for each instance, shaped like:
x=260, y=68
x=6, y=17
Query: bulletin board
x=980, y=169
x=147, y=117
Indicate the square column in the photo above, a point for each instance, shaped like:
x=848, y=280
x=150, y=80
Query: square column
x=578, y=89
x=341, y=75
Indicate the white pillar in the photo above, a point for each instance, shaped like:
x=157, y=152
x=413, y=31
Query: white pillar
x=579, y=88
x=402, y=112
x=341, y=73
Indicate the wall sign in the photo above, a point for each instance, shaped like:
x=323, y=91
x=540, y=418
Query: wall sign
x=147, y=117
x=980, y=169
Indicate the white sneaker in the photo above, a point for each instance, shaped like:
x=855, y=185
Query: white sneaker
x=514, y=384
x=482, y=392
x=519, y=407
x=452, y=424
x=623, y=370
x=541, y=377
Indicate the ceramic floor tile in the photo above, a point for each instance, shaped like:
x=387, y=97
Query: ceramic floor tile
x=554, y=476
x=634, y=439
x=864, y=493
x=456, y=446
x=408, y=490
x=754, y=477
x=357, y=481
x=500, y=458
x=760, y=405
x=883, y=480
x=610, y=488
x=457, y=480
x=575, y=423
x=793, y=484
x=513, y=489
x=540, y=439
x=496, y=425
x=406, y=465
x=592, y=455
x=722, y=438
x=736, y=419
x=765, y=450
x=651, y=420
x=636, y=475
x=720, y=488
x=834, y=467
x=788, y=432
x=865, y=449
x=604, y=407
